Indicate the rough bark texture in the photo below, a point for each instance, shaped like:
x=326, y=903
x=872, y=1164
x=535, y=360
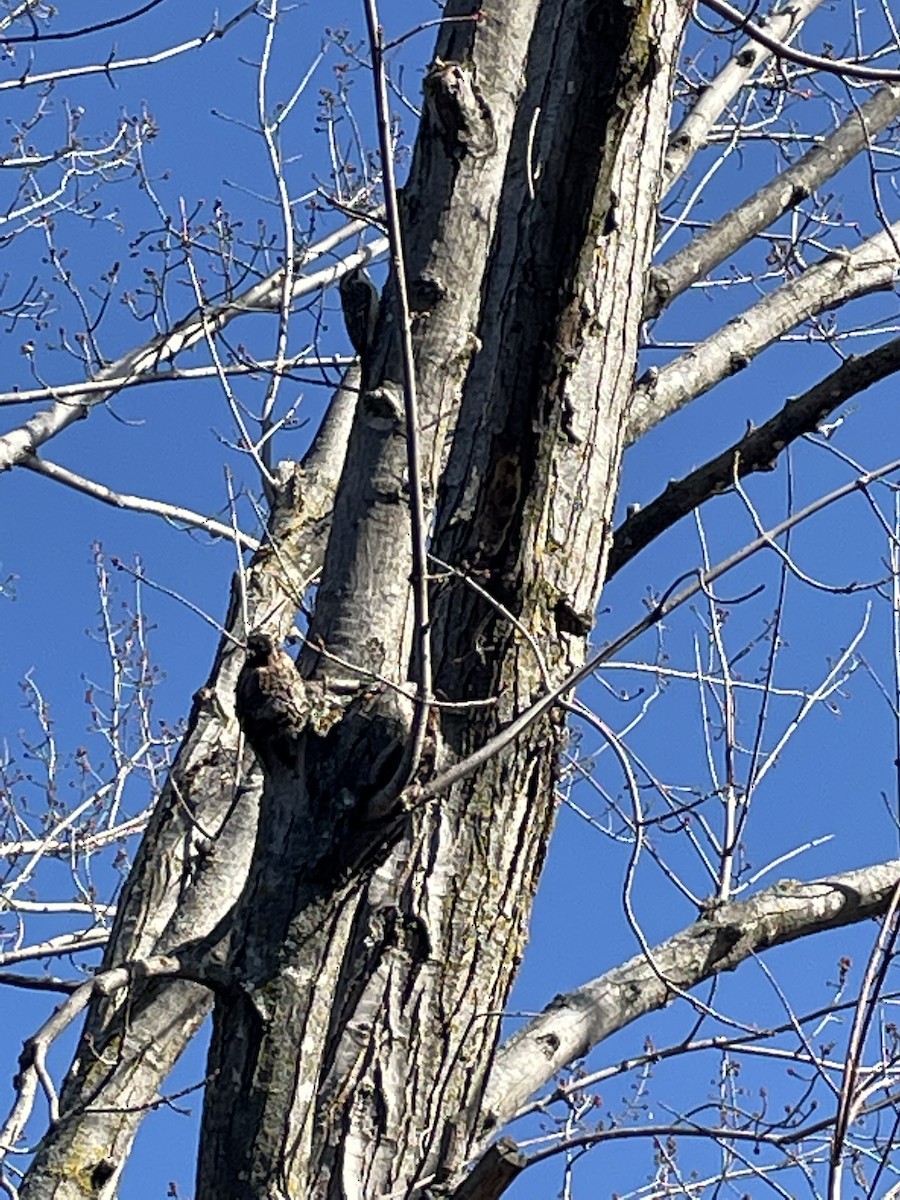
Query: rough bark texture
x=370, y=960
x=362, y=961
x=373, y=959
x=192, y=863
x=450, y=201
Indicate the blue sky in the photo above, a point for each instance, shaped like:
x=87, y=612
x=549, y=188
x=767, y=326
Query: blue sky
x=172, y=442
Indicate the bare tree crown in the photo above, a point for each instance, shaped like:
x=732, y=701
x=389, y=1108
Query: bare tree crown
x=640, y=303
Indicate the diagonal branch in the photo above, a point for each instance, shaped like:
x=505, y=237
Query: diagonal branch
x=173, y=513
x=673, y=599
x=845, y=68
x=33, y=1059
x=693, y=132
x=264, y=296
x=757, y=450
x=837, y=279
x=213, y=34
x=773, y=200
x=573, y=1024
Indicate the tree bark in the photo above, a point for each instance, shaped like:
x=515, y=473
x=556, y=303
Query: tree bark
x=373, y=959
x=192, y=863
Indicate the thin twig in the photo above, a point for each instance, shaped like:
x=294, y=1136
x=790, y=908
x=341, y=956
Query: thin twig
x=672, y=600
x=172, y=513
x=419, y=533
x=839, y=66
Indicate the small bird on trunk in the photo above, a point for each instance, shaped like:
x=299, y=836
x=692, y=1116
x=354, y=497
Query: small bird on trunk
x=269, y=701
x=359, y=301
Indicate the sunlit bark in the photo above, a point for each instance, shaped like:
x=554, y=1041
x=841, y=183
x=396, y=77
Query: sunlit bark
x=373, y=960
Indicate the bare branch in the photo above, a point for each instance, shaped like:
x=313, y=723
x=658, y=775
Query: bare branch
x=493, y=1173
x=21, y=10
x=106, y=68
x=845, y=68
x=672, y=600
x=852, y=1095
x=692, y=133
x=38, y=983
x=173, y=513
x=100, y=387
x=757, y=450
x=776, y=197
x=65, y=35
x=834, y=281
x=63, y=943
x=263, y=296
x=724, y=937
x=33, y=1060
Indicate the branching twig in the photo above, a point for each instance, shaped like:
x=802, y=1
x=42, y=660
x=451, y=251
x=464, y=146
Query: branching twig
x=215, y=33
x=692, y=134
x=778, y=196
x=261, y=297
x=834, y=281
x=673, y=599
x=33, y=1060
x=572, y=1025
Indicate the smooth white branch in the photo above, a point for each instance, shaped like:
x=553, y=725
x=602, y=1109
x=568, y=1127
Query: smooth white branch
x=173, y=513
x=264, y=296
x=840, y=277
x=778, y=196
x=573, y=1024
x=693, y=132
